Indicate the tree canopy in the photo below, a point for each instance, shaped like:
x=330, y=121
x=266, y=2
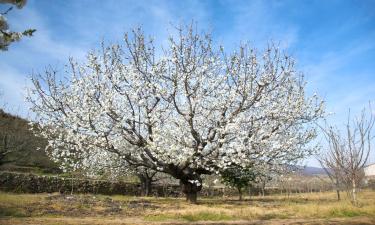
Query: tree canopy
x=187, y=109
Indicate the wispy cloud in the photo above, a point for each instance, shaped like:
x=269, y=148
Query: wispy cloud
x=28, y=55
x=74, y=31
x=259, y=23
x=332, y=41
x=344, y=77
x=13, y=89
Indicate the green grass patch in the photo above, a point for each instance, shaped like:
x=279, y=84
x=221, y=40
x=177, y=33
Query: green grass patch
x=160, y=217
x=12, y=199
x=11, y=212
x=270, y=216
x=191, y=217
x=345, y=212
x=206, y=216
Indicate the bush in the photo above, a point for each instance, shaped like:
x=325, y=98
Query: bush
x=371, y=184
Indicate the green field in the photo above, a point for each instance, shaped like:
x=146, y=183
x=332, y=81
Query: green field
x=316, y=208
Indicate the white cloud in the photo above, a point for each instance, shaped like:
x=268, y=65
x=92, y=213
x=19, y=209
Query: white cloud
x=13, y=88
x=90, y=25
x=44, y=42
x=335, y=76
x=255, y=21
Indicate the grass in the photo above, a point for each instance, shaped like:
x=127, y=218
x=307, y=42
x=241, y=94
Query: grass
x=324, y=206
x=346, y=213
x=191, y=217
x=207, y=216
x=20, y=199
x=11, y=212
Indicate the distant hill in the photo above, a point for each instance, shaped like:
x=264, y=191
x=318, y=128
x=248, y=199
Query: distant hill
x=305, y=170
x=312, y=171
x=19, y=146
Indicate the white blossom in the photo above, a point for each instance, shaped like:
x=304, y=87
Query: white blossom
x=191, y=111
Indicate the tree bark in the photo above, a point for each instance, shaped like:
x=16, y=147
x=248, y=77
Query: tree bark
x=190, y=180
x=263, y=187
x=146, y=187
x=338, y=190
x=354, y=192
x=190, y=190
x=146, y=184
x=191, y=197
x=239, y=193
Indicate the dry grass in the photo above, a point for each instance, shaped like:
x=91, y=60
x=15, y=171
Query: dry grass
x=119, y=209
x=317, y=205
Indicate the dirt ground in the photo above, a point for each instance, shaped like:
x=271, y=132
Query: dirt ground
x=135, y=220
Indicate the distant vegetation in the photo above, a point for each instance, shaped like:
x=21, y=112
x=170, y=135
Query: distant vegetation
x=20, y=149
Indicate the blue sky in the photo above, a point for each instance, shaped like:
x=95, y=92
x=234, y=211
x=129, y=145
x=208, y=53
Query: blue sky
x=332, y=41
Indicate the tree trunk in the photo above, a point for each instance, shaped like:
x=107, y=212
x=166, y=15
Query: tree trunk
x=190, y=180
x=190, y=190
x=147, y=187
x=239, y=193
x=191, y=197
x=354, y=192
x=72, y=183
x=338, y=189
x=146, y=184
x=263, y=188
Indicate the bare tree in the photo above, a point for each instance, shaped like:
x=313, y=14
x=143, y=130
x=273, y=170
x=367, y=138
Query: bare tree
x=331, y=161
x=348, y=152
x=147, y=177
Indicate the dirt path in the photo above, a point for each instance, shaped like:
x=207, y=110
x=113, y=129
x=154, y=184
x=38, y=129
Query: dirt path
x=128, y=221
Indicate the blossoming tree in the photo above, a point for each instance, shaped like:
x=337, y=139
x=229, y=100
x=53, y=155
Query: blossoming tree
x=6, y=36
x=186, y=109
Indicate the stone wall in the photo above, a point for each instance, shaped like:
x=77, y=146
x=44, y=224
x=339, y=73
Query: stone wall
x=31, y=183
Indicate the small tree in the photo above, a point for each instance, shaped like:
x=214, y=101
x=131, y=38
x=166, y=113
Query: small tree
x=238, y=177
x=262, y=179
x=147, y=177
x=331, y=162
x=188, y=110
x=7, y=36
x=348, y=152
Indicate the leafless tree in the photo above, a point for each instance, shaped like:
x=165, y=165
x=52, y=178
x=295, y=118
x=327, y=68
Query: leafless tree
x=331, y=161
x=348, y=152
x=147, y=177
